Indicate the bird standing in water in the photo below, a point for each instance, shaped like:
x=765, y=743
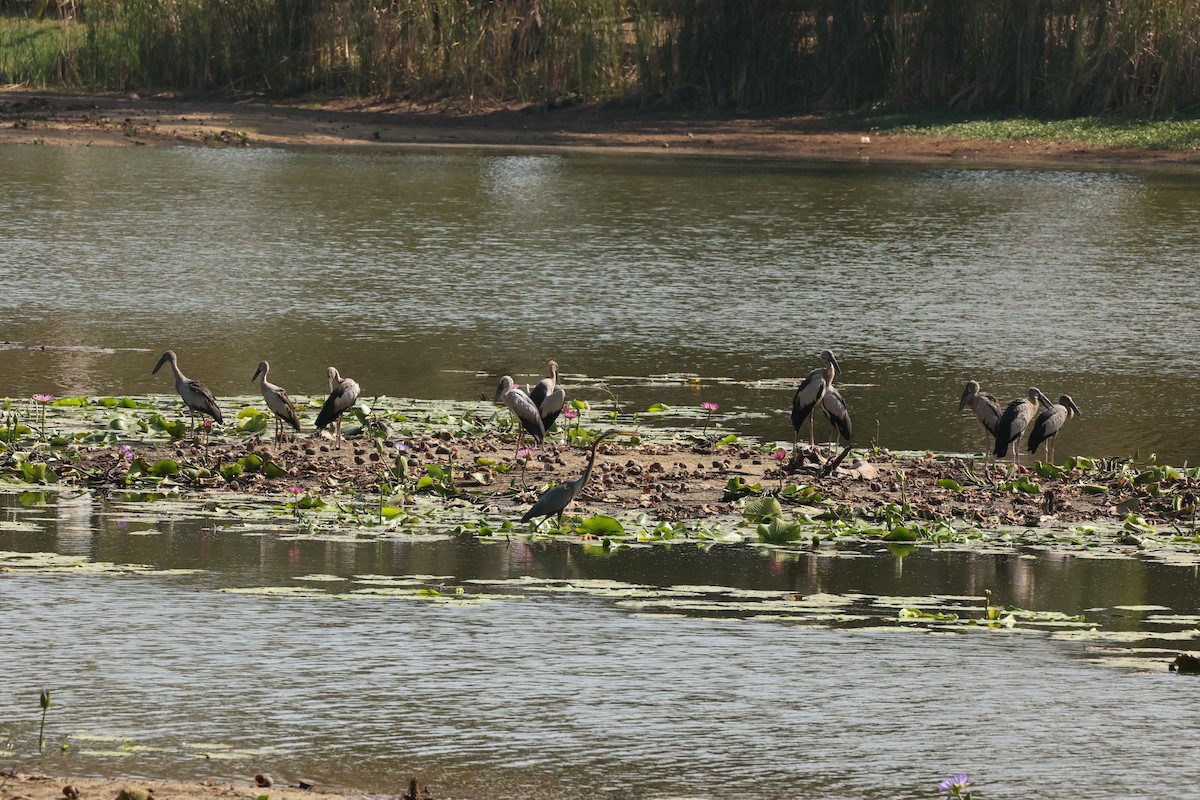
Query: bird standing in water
x=277, y=400
x=342, y=394
x=556, y=499
x=196, y=396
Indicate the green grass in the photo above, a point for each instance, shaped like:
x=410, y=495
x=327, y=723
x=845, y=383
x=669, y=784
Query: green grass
x=33, y=52
x=1109, y=130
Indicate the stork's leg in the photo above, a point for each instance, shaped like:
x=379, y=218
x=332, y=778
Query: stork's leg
x=812, y=434
x=337, y=436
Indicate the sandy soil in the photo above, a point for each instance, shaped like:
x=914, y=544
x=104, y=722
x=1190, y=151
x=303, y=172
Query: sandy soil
x=29, y=786
x=28, y=117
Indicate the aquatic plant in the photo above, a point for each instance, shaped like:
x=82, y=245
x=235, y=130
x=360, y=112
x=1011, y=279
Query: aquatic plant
x=42, y=400
x=710, y=408
x=44, y=700
x=523, y=456
x=438, y=480
x=956, y=786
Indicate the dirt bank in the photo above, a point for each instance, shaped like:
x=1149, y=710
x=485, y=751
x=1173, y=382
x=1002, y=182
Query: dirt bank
x=28, y=117
x=32, y=786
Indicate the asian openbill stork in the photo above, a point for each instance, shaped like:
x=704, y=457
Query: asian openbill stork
x=277, y=400
x=809, y=394
x=556, y=499
x=549, y=397
x=987, y=411
x=196, y=396
x=834, y=406
x=1014, y=421
x=1050, y=422
x=342, y=394
x=522, y=407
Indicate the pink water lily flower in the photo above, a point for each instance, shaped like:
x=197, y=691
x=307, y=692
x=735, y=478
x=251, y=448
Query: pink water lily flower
x=707, y=406
x=43, y=398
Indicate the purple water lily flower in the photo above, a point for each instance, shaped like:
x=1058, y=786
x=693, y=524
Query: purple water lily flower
x=43, y=398
x=955, y=784
x=708, y=406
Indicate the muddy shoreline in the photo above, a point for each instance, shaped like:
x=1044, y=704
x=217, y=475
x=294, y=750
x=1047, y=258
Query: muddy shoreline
x=85, y=120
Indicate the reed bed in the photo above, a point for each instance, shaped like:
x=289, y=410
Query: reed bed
x=1038, y=56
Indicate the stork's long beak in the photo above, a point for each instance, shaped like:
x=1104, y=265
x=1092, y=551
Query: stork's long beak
x=837, y=368
x=1075, y=408
x=158, y=366
x=1043, y=400
x=257, y=372
x=963, y=402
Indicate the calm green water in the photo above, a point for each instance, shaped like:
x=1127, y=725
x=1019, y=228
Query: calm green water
x=416, y=271
x=427, y=275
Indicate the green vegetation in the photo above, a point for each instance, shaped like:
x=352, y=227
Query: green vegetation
x=1110, y=130
x=1037, y=56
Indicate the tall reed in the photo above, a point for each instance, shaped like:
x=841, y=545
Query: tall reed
x=1055, y=56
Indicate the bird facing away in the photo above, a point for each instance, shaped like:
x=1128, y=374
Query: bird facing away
x=834, y=406
x=810, y=393
x=556, y=499
x=549, y=397
x=277, y=400
x=196, y=396
x=987, y=411
x=1050, y=422
x=1014, y=421
x=523, y=408
x=342, y=394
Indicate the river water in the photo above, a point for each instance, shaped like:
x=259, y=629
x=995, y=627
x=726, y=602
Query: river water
x=426, y=274
x=569, y=695
x=429, y=273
